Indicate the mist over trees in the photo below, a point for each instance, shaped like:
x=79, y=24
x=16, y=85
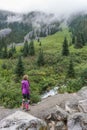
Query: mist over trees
x=78, y=27
x=28, y=26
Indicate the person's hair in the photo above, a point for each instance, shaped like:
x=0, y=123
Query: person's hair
x=25, y=77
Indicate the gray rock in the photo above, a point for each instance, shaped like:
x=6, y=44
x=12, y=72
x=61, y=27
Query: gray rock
x=82, y=105
x=60, y=126
x=77, y=121
x=83, y=93
x=21, y=121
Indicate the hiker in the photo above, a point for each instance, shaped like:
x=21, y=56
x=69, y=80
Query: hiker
x=25, y=92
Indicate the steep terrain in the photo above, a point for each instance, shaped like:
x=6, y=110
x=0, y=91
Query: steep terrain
x=30, y=25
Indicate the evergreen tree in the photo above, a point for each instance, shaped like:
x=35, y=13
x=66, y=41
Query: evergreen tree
x=20, y=67
x=71, y=72
x=11, y=51
x=83, y=39
x=31, y=48
x=40, y=59
x=65, y=50
x=73, y=39
x=25, y=49
x=2, y=47
x=13, y=48
x=5, y=53
x=84, y=76
x=78, y=43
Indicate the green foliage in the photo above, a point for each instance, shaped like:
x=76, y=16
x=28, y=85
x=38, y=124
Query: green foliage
x=19, y=67
x=84, y=76
x=72, y=85
x=40, y=59
x=35, y=98
x=44, y=77
x=65, y=50
x=5, y=53
x=78, y=28
x=4, y=66
x=31, y=49
x=10, y=96
x=26, y=49
x=19, y=30
x=71, y=72
x=78, y=42
x=73, y=39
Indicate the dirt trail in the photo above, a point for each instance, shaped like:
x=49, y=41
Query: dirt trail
x=44, y=107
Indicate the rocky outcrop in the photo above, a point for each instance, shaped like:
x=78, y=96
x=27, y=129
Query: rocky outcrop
x=82, y=106
x=59, y=112
x=83, y=93
x=77, y=121
x=73, y=115
x=21, y=121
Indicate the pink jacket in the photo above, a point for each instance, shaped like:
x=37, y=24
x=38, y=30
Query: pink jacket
x=25, y=87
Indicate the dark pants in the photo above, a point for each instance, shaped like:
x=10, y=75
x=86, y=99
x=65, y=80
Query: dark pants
x=26, y=96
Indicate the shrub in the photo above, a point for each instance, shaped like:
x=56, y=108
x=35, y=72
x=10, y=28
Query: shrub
x=72, y=85
x=84, y=77
x=35, y=98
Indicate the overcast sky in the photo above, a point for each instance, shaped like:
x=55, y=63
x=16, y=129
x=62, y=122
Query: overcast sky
x=53, y=6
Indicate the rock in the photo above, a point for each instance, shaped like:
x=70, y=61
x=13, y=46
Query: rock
x=82, y=105
x=61, y=114
x=77, y=121
x=51, y=125
x=57, y=115
x=21, y=121
x=83, y=93
x=57, y=119
x=71, y=106
x=60, y=126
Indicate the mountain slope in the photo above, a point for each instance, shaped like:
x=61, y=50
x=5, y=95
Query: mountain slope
x=31, y=25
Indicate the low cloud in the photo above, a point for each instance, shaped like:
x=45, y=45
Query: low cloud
x=59, y=7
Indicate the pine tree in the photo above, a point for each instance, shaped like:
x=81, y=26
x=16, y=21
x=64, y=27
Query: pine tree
x=25, y=49
x=11, y=51
x=31, y=48
x=79, y=42
x=40, y=59
x=5, y=53
x=73, y=39
x=71, y=72
x=83, y=39
x=13, y=48
x=20, y=67
x=65, y=50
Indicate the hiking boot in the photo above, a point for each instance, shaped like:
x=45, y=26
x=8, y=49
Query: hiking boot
x=27, y=106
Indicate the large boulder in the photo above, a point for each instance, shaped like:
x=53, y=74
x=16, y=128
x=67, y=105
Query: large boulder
x=57, y=119
x=77, y=121
x=83, y=93
x=21, y=121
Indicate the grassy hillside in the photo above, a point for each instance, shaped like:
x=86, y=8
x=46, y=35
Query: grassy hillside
x=43, y=78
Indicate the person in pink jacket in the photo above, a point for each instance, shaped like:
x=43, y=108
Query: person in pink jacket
x=25, y=86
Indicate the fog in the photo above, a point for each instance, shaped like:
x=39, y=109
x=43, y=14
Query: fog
x=59, y=7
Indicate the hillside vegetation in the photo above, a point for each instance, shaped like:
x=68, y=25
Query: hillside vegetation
x=52, y=73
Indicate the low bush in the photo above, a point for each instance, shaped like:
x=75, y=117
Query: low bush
x=72, y=85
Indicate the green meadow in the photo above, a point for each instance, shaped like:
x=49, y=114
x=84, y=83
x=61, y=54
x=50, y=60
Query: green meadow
x=43, y=78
